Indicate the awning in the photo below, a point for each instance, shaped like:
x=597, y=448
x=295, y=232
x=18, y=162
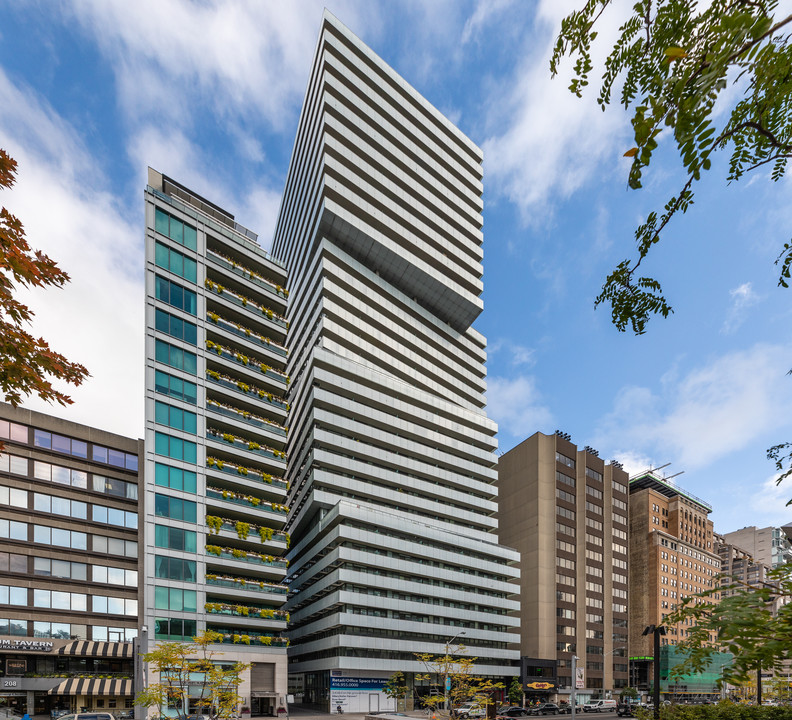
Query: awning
x=97, y=648
x=92, y=686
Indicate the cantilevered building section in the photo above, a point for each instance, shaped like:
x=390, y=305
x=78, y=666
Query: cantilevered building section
x=391, y=453
x=215, y=438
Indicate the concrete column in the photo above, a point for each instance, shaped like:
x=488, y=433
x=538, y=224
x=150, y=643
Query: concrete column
x=31, y=702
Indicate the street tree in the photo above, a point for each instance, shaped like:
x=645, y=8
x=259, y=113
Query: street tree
x=27, y=365
x=515, y=692
x=454, y=682
x=396, y=687
x=191, y=673
x=714, y=76
x=745, y=621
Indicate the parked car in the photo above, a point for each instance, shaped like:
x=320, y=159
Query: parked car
x=566, y=708
x=471, y=710
x=512, y=711
x=600, y=706
x=88, y=716
x=545, y=709
x=627, y=707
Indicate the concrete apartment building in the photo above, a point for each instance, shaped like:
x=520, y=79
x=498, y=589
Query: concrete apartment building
x=216, y=434
x=70, y=575
x=738, y=565
x=565, y=510
x=769, y=546
x=673, y=554
x=391, y=454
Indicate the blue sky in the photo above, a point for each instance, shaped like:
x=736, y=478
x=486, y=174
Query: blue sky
x=94, y=91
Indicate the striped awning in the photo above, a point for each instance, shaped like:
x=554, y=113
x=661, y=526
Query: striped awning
x=97, y=648
x=93, y=687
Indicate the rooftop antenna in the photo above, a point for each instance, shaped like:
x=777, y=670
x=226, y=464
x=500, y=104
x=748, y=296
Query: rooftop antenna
x=668, y=477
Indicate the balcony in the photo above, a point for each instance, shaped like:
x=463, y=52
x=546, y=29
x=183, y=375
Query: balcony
x=242, y=271
x=248, y=334
x=245, y=302
x=246, y=417
x=242, y=639
x=244, y=388
x=247, y=556
x=240, y=443
x=251, y=611
x=245, y=530
x=249, y=362
x=246, y=472
x=248, y=501
x=246, y=584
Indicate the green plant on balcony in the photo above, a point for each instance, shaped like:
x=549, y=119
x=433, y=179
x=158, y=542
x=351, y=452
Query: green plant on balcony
x=254, y=501
x=238, y=553
x=242, y=610
x=244, y=301
x=214, y=317
x=264, y=367
x=244, y=387
x=253, y=445
x=214, y=523
x=265, y=533
x=213, y=374
x=265, y=640
x=226, y=494
x=228, y=437
x=267, y=478
x=243, y=529
x=209, y=576
x=242, y=470
x=212, y=607
x=266, y=613
x=214, y=549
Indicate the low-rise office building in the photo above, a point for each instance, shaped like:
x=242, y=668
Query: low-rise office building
x=69, y=565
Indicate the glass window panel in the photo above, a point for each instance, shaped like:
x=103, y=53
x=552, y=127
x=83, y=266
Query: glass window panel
x=17, y=596
x=190, y=237
x=99, y=543
x=79, y=479
x=131, y=548
x=61, y=568
x=190, y=269
x=189, y=600
x=100, y=514
x=79, y=602
x=190, y=363
x=19, y=433
x=115, y=457
x=115, y=546
x=61, y=443
x=42, y=470
x=61, y=475
x=99, y=603
x=99, y=573
x=161, y=222
x=115, y=517
x=99, y=453
x=18, y=563
x=41, y=598
x=115, y=576
x=115, y=606
x=41, y=534
x=79, y=541
x=18, y=498
x=79, y=449
x=60, y=506
x=79, y=510
x=61, y=600
x=17, y=465
x=17, y=627
x=161, y=598
x=131, y=461
x=42, y=439
x=176, y=230
x=17, y=530
x=79, y=571
x=42, y=566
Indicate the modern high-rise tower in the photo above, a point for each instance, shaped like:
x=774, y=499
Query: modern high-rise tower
x=391, y=453
x=215, y=438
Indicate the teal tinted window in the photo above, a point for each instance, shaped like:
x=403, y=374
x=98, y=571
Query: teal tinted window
x=175, y=387
x=176, y=327
x=175, y=478
x=175, y=417
x=174, y=629
x=170, y=568
x=172, y=538
x=174, y=508
x=175, y=448
x=176, y=357
x=175, y=262
x=175, y=295
x=175, y=229
x=174, y=599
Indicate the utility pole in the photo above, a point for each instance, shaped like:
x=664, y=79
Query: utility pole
x=573, y=693
x=447, y=679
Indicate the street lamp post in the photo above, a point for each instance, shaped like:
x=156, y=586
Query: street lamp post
x=446, y=679
x=656, y=631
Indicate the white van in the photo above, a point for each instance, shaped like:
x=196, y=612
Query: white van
x=600, y=706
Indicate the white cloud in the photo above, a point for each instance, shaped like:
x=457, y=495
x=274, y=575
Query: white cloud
x=742, y=298
x=247, y=59
x=633, y=462
x=708, y=413
x=96, y=319
x=769, y=504
x=485, y=11
x=517, y=406
x=517, y=354
x=554, y=143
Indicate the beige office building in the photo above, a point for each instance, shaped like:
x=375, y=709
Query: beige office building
x=565, y=510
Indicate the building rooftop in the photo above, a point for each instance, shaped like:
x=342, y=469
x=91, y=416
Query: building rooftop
x=652, y=481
